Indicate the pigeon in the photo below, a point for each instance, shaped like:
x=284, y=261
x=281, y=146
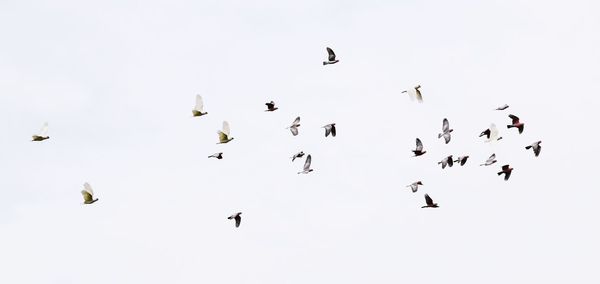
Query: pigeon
x=414, y=186
x=224, y=134
x=445, y=131
x=536, y=147
x=271, y=106
x=88, y=194
x=491, y=160
x=237, y=218
x=217, y=155
x=298, y=155
x=199, y=108
x=505, y=106
x=329, y=129
x=516, y=123
x=506, y=170
x=429, y=202
x=415, y=93
x=419, y=151
x=462, y=160
x=491, y=133
x=331, y=57
x=43, y=135
x=446, y=161
x=307, y=168
x=294, y=127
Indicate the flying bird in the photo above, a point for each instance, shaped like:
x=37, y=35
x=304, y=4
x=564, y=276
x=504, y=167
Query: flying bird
x=307, y=168
x=445, y=131
x=419, y=150
x=461, y=160
x=237, y=218
x=294, y=127
x=536, y=147
x=429, y=202
x=298, y=155
x=217, y=155
x=271, y=106
x=224, y=134
x=199, y=108
x=414, y=186
x=43, y=135
x=414, y=93
x=446, y=162
x=492, y=133
x=491, y=160
x=331, y=57
x=516, y=123
x=88, y=194
x=506, y=170
x=329, y=129
x=505, y=106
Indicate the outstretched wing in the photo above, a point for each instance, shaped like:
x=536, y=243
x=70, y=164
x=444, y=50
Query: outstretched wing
x=492, y=157
x=447, y=137
x=87, y=187
x=307, y=163
x=331, y=56
x=294, y=130
x=327, y=130
x=296, y=121
x=226, y=128
x=445, y=126
x=333, y=130
x=44, y=130
x=428, y=199
x=199, y=104
x=418, y=95
x=536, y=150
x=238, y=220
x=419, y=145
x=493, y=136
x=505, y=168
x=514, y=118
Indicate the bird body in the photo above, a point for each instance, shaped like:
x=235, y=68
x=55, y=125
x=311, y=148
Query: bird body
x=217, y=155
x=414, y=186
x=490, y=161
x=307, y=168
x=329, y=129
x=237, y=217
x=199, y=108
x=429, y=202
x=446, y=162
x=88, y=194
x=516, y=123
x=43, y=135
x=224, y=134
x=506, y=170
x=330, y=57
x=271, y=106
x=445, y=131
x=294, y=127
x=419, y=150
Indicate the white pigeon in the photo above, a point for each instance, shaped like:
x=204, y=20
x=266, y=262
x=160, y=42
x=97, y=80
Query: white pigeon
x=199, y=108
x=414, y=93
x=294, y=127
x=307, y=168
x=88, y=194
x=237, y=217
x=491, y=160
x=43, y=135
x=492, y=134
x=224, y=134
x=298, y=155
x=414, y=186
x=445, y=131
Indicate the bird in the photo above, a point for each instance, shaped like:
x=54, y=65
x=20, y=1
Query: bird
x=43, y=135
x=271, y=106
x=88, y=194
x=492, y=133
x=506, y=170
x=237, y=218
x=294, y=127
x=329, y=128
x=331, y=57
x=516, y=123
x=414, y=186
x=224, y=134
x=536, y=147
x=445, y=131
x=298, y=155
x=307, y=168
x=217, y=155
x=503, y=107
x=419, y=150
x=429, y=202
x=462, y=160
x=414, y=93
x=446, y=161
x=491, y=160
x=199, y=108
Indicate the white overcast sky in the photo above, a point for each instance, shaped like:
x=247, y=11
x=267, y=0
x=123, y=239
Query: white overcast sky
x=116, y=82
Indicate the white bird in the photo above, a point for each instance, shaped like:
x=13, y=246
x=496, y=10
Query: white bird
x=503, y=107
x=294, y=127
x=446, y=162
x=330, y=57
x=414, y=186
x=491, y=160
x=414, y=93
x=307, y=168
x=492, y=134
x=329, y=129
x=199, y=108
x=43, y=135
x=536, y=147
x=88, y=194
x=224, y=134
x=298, y=155
x=445, y=131
x=237, y=218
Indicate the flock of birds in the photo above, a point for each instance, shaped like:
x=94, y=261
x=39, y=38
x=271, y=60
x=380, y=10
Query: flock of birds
x=224, y=136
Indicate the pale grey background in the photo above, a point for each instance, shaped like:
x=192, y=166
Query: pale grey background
x=116, y=81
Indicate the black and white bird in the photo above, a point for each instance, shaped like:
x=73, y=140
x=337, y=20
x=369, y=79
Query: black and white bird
x=42, y=135
x=492, y=134
x=294, y=127
x=506, y=170
x=490, y=161
x=298, y=155
x=224, y=134
x=237, y=217
x=461, y=160
x=446, y=162
x=88, y=194
x=445, y=131
x=329, y=129
x=503, y=107
x=536, y=147
x=307, y=168
x=330, y=57
x=199, y=108
x=415, y=186
x=271, y=106
x=414, y=93
x=429, y=202
x=419, y=150
x=217, y=155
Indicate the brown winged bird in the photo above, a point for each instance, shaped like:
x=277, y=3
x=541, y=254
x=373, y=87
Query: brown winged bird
x=536, y=148
x=506, y=170
x=88, y=194
x=330, y=57
x=429, y=202
x=237, y=218
x=516, y=123
x=43, y=135
x=419, y=150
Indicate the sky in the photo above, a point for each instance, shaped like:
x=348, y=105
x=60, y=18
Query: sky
x=116, y=81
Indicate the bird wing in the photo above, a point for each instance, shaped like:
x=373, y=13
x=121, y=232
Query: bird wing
x=493, y=135
x=199, y=104
x=87, y=197
x=307, y=163
x=505, y=168
x=447, y=137
x=450, y=162
x=514, y=118
x=87, y=187
x=428, y=199
x=419, y=145
x=226, y=128
x=418, y=95
x=445, y=125
x=536, y=150
x=296, y=121
x=486, y=133
x=270, y=105
x=294, y=130
x=327, y=129
x=333, y=130
x=222, y=136
x=44, y=130
x=238, y=220
x=331, y=56
x=507, y=175
x=492, y=157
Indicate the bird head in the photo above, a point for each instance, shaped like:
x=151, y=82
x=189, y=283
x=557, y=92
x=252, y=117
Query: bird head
x=419, y=183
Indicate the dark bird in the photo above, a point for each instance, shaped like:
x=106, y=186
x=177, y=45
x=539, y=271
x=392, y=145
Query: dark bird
x=294, y=127
x=43, y=135
x=414, y=186
x=492, y=133
x=307, y=168
x=516, y=123
x=429, y=202
x=237, y=218
x=506, y=170
x=271, y=106
x=505, y=106
x=329, y=129
x=298, y=155
x=217, y=155
x=331, y=57
x=536, y=147
x=446, y=161
x=445, y=131
x=414, y=93
x=419, y=151
x=461, y=160
x=491, y=160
